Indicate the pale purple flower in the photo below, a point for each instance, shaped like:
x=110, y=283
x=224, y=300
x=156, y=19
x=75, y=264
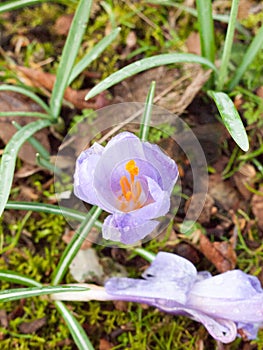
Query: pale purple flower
x=226, y=304
x=130, y=179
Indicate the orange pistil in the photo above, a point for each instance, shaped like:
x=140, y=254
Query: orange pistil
x=131, y=191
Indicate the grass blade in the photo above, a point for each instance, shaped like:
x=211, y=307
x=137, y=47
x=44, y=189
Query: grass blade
x=77, y=332
x=147, y=63
x=69, y=55
x=145, y=254
x=231, y=118
x=228, y=45
x=146, y=118
x=35, y=143
x=13, y=5
x=51, y=209
x=93, y=54
x=75, y=244
x=250, y=54
x=27, y=93
x=14, y=277
x=25, y=114
x=21, y=293
x=8, y=161
x=206, y=29
x=216, y=16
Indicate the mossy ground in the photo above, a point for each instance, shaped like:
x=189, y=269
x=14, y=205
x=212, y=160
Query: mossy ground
x=31, y=243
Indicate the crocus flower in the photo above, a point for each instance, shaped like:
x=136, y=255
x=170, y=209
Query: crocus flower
x=228, y=304
x=130, y=179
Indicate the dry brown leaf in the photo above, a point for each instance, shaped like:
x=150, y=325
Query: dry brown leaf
x=193, y=43
x=207, y=210
x=175, y=88
x=63, y=24
x=245, y=175
x=221, y=254
x=12, y=101
x=27, y=170
x=105, y=345
x=33, y=326
x=257, y=207
x=40, y=79
x=223, y=193
x=3, y=318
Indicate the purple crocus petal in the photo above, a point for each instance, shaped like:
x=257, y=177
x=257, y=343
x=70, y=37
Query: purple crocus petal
x=160, y=205
x=84, y=174
x=131, y=227
x=249, y=330
x=233, y=284
x=119, y=137
x=122, y=150
x=164, y=164
x=171, y=267
x=169, y=275
x=224, y=303
x=130, y=179
x=144, y=291
x=220, y=329
x=233, y=295
x=123, y=228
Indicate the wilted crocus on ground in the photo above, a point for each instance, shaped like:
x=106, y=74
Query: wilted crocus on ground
x=228, y=304
x=130, y=179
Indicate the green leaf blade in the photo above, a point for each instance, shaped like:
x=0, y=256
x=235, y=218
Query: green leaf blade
x=231, y=118
x=69, y=55
x=18, y=278
x=21, y=293
x=8, y=161
x=93, y=54
x=147, y=63
x=77, y=332
x=75, y=244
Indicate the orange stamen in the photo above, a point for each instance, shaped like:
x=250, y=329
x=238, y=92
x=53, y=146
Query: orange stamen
x=132, y=169
x=130, y=191
x=125, y=187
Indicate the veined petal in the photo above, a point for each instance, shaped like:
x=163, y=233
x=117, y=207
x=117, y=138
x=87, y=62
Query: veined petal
x=247, y=310
x=123, y=150
x=169, y=278
x=123, y=228
x=144, y=291
x=231, y=285
x=158, y=207
x=171, y=267
x=84, y=174
x=220, y=329
x=164, y=165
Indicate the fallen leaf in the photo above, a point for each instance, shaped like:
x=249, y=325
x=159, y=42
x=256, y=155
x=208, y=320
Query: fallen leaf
x=12, y=101
x=245, y=175
x=204, y=217
x=63, y=24
x=46, y=81
x=3, y=319
x=193, y=43
x=105, y=345
x=257, y=207
x=175, y=88
x=33, y=326
x=223, y=193
x=27, y=170
x=221, y=254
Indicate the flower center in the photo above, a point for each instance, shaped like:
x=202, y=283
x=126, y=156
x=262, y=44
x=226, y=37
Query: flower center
x=131, y=189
